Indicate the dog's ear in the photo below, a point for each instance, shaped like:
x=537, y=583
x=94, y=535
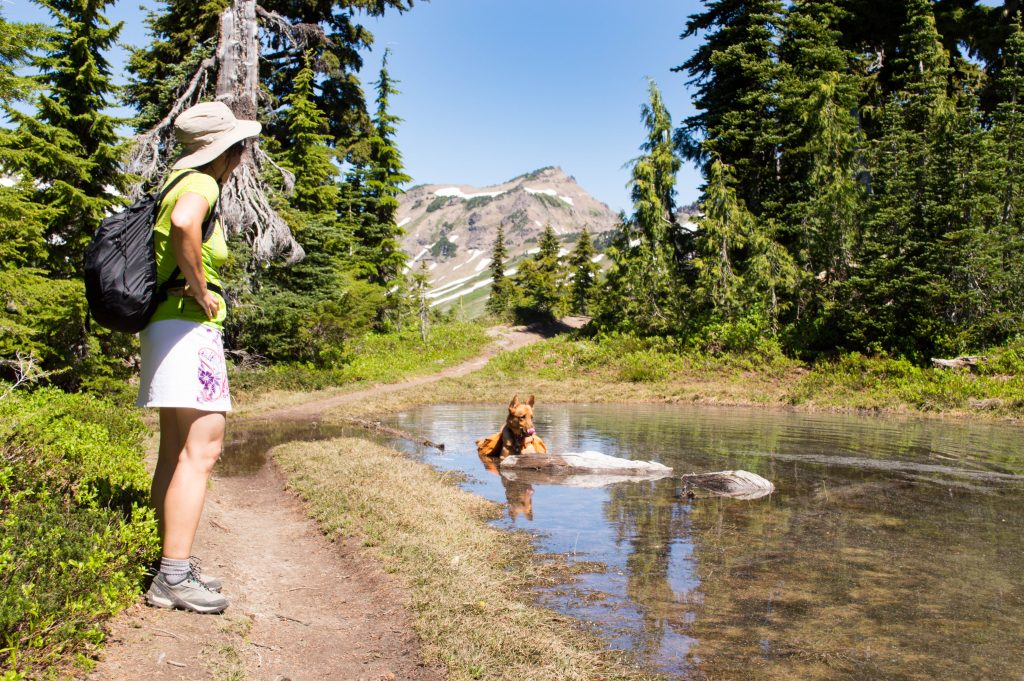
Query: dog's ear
x=515, y=401
x=530, y=401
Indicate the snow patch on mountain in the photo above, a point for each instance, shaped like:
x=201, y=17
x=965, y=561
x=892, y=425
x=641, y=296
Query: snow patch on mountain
x=455, y=191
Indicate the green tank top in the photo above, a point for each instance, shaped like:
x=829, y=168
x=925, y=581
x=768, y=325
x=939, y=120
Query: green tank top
x=215, y=251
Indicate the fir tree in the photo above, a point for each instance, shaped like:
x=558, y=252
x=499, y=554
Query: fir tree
x=308, y=151
x=309, y=310
x=1008, y=130
x=498, y=300
x=539, y=282
x=184, y=34
x=725, y=230
x=584, y=270
x=736, y=74
x=652, y=250
x=895, y=303
x=821, y=162
x=22, y=219
x=377, y=234
x=70, y=147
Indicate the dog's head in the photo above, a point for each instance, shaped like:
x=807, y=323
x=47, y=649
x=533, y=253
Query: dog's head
x=520, y=417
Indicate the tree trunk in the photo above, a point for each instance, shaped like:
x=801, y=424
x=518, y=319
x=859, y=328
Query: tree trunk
x=244, y=205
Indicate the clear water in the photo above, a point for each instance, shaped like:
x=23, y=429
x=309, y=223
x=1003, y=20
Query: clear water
x=893, y=549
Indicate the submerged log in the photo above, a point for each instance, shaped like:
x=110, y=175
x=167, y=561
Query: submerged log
x=580, y=462
x=584, y=479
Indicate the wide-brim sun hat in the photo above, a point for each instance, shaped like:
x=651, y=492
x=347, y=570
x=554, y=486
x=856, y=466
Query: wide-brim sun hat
x=207, y=130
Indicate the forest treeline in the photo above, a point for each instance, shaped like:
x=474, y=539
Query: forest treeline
x=863, y=182
x=863, y=186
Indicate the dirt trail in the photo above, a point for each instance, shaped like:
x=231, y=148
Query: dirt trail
x=302, y=607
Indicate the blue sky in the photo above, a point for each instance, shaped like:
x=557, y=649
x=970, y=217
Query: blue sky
x=491, y=89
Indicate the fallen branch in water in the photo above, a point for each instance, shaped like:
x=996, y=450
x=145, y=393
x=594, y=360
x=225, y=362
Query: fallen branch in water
x=387, y=430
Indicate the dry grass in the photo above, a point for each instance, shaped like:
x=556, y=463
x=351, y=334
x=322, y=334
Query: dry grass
x=469, y=582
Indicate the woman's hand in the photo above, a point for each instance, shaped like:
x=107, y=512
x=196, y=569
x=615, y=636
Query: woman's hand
x=207, y=301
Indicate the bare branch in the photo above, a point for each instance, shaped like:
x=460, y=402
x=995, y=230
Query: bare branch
x=301, y=35
x=26, y=371
x=149, y=149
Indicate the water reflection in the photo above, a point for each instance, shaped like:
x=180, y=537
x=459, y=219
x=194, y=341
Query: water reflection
x=892, y=549
x=246, y=443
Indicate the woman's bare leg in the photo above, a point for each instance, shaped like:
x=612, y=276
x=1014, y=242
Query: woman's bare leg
x=167, y=461
x=199, y=438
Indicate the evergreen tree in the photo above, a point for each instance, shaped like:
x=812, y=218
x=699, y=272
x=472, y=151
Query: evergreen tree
x=736, y=74
x=184, y=34
x=309, y=311
x=725, y=230
x=540, y=281
x=652, y=251
x=308, y=151
x=499, y=299
x=1008, y=130
x=22, y=220
x=821, y=163
x=584, y=269
x=895, y=301
x=69, y=146
x=987, y=240
x=377, y=233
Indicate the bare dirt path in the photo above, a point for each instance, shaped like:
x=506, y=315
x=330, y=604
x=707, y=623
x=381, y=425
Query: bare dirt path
x=302, y=607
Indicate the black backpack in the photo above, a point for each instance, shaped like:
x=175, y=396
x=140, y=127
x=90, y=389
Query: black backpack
x=120, y=265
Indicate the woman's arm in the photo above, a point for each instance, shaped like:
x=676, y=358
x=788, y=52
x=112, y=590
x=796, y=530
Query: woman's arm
x=187, y=245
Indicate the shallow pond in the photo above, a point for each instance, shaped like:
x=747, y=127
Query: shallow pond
x=893, y=549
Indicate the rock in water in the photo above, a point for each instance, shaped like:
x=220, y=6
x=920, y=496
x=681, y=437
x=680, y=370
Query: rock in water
x=734, y=484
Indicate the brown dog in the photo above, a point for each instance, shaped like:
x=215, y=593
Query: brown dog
x=517, y=437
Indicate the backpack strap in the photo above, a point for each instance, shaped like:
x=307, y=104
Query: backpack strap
x=209, y=223
x=208, y=226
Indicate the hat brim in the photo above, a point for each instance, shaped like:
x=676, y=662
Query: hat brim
x=200, y=157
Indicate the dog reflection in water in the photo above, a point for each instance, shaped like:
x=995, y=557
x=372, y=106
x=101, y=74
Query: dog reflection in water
x=517, y=436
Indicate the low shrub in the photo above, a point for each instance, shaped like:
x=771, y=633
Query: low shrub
x=75, y=534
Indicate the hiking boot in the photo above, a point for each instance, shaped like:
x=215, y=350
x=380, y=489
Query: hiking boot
x=189, y=594
x=210, y=582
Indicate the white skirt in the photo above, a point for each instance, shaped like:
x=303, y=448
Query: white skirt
x=183, y=366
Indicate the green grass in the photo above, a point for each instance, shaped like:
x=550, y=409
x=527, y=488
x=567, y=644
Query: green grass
x=623, y=368
x=376, y=358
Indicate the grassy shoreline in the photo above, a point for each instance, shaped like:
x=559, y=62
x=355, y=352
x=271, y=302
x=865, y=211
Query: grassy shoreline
x=469, y=583
x=571, y=370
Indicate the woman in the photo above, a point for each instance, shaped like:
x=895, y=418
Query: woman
x=183, y=368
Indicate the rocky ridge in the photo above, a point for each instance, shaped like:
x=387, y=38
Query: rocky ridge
x=451, y=229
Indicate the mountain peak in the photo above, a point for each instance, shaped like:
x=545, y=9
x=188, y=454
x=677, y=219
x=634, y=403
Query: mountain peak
x=451, y=228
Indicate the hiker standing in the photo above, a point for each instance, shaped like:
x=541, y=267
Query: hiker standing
x=183, y=369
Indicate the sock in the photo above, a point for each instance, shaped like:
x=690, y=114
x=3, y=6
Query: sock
x=174, y=571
